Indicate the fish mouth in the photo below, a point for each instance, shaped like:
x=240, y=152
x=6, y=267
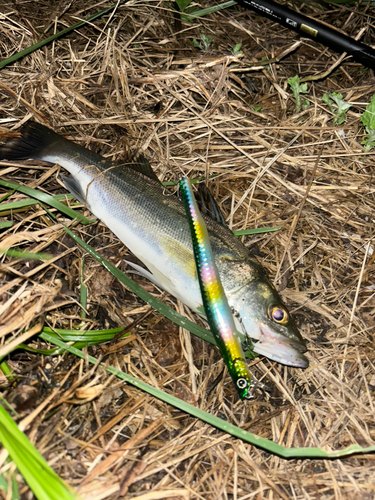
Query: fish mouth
x=281, y=349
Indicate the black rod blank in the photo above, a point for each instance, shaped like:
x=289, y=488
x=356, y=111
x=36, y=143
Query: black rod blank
x=313, y=29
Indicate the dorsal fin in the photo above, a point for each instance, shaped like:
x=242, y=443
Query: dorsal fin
x=208, y=205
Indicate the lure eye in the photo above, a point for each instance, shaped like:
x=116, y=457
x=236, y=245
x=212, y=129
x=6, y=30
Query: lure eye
x=242, y=383
x=278, y=314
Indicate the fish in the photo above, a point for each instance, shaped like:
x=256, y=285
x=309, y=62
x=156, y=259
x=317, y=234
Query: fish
x=215, y=303
x=130, y=200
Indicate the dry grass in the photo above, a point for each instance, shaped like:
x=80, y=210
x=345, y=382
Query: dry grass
x=133, y=81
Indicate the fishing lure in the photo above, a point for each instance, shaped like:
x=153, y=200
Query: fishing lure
x=215, y=302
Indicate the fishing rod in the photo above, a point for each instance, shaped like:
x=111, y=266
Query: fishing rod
x=316, y=30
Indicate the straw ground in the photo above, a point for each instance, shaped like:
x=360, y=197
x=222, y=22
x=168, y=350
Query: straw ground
x=135, y=81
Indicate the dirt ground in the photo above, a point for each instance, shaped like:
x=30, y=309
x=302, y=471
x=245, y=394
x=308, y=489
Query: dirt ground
x=140, y=79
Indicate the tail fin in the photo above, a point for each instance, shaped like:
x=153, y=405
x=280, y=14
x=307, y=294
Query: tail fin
x=34, y=139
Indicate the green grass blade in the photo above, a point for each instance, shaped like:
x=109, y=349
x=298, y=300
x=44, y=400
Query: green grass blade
x=28, y=202
x=209, y=10
x=253, y=439
x=5, y=224
x=36, y=46
x=20, y=254
x=169, y=313
x=7, y=195
x=42, y=480
x=258, y=230
x=83, y=291
x=93, y=336
x=48, y=199
x=182, y=4
x=80, y=338
x=14, y=494
x=7, y=370
x=25, y=347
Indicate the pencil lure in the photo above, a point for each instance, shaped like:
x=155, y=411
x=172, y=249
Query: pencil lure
x=215, y=302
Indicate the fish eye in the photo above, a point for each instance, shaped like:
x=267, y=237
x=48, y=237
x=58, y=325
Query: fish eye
x=242, y=383
x=278, y=314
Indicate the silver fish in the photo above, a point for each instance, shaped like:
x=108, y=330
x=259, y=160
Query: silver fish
x=132, y=203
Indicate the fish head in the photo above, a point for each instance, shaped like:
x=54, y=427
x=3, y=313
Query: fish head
x=262, y=314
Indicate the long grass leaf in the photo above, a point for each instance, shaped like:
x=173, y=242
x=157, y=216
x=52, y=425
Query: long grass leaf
x=83, y=291
x=48, y=199
x=80, y=338
x=182, y=4
x=208, y=10
x=7, y=195
x=28, y=202
x=43, y=481
x=20, y=254
x=258, y=230
x=7, y=370
x=221, y=424
x=97, y=336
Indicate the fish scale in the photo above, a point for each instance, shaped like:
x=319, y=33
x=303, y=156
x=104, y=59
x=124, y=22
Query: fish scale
x=153, y=225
